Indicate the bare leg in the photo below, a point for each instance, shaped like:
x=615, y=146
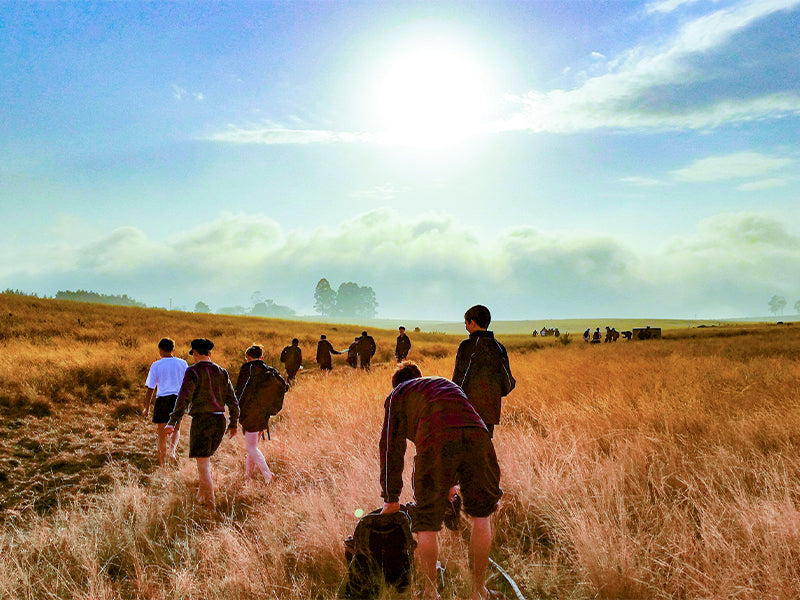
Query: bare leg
x=174, y=439
x=427, y=554
x=205, y=494
x=480, y=543
x=255, y=458
x=162, y=444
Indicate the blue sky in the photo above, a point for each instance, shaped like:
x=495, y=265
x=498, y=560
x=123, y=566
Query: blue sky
x=549, y=159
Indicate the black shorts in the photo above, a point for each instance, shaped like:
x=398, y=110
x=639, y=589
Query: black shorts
x=463, y=455
x=206, y=434
x=163, y=408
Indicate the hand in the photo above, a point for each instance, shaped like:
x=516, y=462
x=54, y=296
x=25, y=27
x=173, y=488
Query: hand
x=232, y=432
x=169, y=429
x=390, y=507
x=145, y=410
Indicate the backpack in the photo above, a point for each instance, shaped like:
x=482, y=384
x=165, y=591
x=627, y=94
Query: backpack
x=274, y=392
x=381, y=547
x=487, y=370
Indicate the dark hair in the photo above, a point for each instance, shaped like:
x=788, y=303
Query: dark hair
x=363, y=333
x=255, y=351
x=323, y=337
x=166, y=344
x=480, y=315
x=401, y=327
x=295, y=341
x=406, y=371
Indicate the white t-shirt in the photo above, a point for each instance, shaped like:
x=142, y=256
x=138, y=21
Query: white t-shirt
x=166, y=374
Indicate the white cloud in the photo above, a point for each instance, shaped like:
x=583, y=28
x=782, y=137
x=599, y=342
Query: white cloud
x=763, y=184
x=641, y=181
x=732, y=166
x=432, y=266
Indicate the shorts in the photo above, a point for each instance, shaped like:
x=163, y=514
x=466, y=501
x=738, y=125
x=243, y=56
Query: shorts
x=462, y=455
x=163, y=408
x=206, y=434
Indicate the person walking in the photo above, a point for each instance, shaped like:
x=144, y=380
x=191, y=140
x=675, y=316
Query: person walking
x=452, y=445
x=205, y=392
x=292, y=359
x=366, y=350
x=256, y=388
x=324, y=352
x=482, y=368
x=403, y=345
x=163, y=383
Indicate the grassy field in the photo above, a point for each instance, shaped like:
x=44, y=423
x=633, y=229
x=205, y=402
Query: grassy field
x=659, y=469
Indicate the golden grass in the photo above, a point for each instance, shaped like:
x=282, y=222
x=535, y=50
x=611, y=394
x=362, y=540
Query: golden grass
x=663, y=469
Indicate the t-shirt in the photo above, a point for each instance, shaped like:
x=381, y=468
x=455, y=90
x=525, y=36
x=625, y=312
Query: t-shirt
x=166, y=374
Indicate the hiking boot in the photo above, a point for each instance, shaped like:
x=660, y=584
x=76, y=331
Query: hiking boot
x=452, y=513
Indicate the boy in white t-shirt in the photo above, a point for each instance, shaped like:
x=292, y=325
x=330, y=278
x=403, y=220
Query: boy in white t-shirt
x=163, y=383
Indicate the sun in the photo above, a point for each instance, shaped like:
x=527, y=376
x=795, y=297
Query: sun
x=432, y=96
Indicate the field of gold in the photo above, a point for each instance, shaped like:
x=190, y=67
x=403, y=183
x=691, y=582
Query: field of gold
x=661, y=469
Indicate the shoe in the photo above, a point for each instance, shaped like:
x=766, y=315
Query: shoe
x=452, y=513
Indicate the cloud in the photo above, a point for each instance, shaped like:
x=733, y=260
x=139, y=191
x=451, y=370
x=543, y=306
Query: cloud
x=763, y=184
x=641, y=181
x=432, y=266
x=733, y=65
x=732, y=166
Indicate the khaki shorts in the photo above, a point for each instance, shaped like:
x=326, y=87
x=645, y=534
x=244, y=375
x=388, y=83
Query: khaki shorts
x=463, y=455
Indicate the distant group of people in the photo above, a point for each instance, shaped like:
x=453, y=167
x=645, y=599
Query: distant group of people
x=612, y=335
x=450, y=421
x=547, y=331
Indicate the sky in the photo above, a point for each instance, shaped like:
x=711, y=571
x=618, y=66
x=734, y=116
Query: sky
x=549, y=159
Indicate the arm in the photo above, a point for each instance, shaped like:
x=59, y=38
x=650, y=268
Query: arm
x=241, y=381
x=462, y=361
x=233, y=404
x=151, y=393
x=392, y=449
x=185, y=396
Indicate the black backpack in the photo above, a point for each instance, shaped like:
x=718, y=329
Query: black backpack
x=487, y=369
x=274, y=392
x=381, y=547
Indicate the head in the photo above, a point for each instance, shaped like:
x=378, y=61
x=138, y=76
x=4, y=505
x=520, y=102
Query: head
x=166, y=345
x=295, y=341
x=477, y=317
x=406, y=371
x=364, y=333
x=402, y=330
x=323, y=337
x=201, y=347
x=254, y=352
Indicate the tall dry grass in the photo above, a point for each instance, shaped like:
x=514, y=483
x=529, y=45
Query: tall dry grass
x=663, y=469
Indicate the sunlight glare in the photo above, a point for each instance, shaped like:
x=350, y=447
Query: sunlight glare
x=432, y=96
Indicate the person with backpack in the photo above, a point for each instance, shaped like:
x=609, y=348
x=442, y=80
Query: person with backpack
x=292, y=358
x=452, y=445
x=366, y=349
x=260, y=390
x=482, y=368
x=205, y=391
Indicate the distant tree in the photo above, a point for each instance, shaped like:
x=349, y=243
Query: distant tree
x=324, y=298
x=202, y=307
x=87, y=296
x=232, y=310
x=777, y=304
x=353, y=300
x=268, y=308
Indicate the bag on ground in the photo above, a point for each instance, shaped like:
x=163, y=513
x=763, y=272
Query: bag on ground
x=381, y=548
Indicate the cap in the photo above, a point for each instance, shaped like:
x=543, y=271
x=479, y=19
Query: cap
x=201, y=346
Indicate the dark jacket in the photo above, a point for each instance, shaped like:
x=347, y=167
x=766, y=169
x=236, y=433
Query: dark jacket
x=418, y=410
x=254, y=389
x=324, y=351
x=403, y=346
x=206, y=389
x=366, y=346
x=485, y=394
x=292, y=357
